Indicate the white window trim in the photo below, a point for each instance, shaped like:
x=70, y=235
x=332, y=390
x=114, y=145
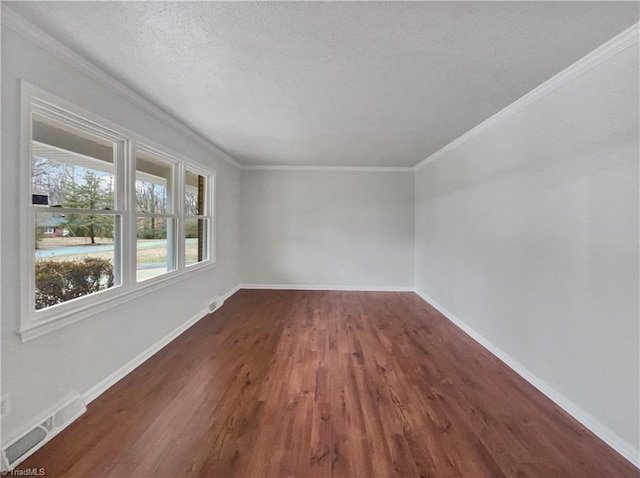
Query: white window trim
x=175, y=206
x=210, y=209
x=32, y=323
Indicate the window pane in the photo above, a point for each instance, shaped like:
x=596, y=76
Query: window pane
x=74, y=256
x=153, y=184
x=196, y=240
x=195, y=193
x=71, y=168
x=155, y=251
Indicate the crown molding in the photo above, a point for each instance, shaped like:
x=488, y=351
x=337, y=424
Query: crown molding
x=31, y=32
x=25, y=28
x=361, y=169
x=601, y=54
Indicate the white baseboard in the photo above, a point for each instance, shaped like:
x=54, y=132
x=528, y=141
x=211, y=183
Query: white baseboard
x=231, y=292
x=327, y=287
x=98, y=389
x=626, y=449
x=95, y=391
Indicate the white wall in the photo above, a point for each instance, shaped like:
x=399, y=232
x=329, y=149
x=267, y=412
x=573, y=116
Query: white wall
x=528, y=234
x=40, y=373
x=305, y=227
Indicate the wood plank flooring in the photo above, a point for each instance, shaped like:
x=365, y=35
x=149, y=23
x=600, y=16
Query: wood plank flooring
x=326, y=384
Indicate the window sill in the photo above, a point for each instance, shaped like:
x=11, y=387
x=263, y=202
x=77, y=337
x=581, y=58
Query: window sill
x=106, y=301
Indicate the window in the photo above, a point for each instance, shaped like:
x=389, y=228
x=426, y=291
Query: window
x=73, y=175
x=104, y=216
x=197, y=217
x=156, y=218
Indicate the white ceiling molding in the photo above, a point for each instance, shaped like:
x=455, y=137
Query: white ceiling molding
x=304, y=138
x=365, y=169
x=624, y=40
x=28, y=30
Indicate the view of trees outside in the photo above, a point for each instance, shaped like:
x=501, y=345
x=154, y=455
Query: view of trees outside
x=50, y=177
x=79, y=222
x=89, y=192
x=75, y=256
x=154, y=255
x=191, y=209
x=195, y=228
x=75, y=251
x=191, y=201
x=151, y=198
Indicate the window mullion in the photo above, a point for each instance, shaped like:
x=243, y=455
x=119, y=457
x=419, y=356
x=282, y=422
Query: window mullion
x=180, y=210
x=129, y=218
x=66, y=136
x=70, y=210
x=159, y=215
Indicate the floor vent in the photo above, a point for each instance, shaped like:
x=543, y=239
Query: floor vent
x=28, y=443
x=216, y=304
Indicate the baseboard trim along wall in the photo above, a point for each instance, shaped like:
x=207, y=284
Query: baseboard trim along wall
x=353, y=288
x=623, y=447
x=98, y=389
x=626, y=449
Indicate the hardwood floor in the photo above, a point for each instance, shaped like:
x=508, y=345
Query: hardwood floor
x=328, y=384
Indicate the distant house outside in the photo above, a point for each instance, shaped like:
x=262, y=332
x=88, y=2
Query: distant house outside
x=52, y=226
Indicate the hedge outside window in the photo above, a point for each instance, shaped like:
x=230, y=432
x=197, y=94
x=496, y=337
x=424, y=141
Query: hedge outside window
x=74, y=170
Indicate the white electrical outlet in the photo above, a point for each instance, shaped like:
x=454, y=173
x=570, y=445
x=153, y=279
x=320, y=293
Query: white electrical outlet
x=5, y=405
x=343, y=274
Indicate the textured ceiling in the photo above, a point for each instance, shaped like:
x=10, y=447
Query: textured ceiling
x=349, y=84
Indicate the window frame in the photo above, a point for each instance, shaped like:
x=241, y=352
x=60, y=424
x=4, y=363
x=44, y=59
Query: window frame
x=210, y=188
x=175, y=204
x=33, y=323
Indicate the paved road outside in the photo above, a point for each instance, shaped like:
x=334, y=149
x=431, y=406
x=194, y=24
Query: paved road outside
x=70, y=250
